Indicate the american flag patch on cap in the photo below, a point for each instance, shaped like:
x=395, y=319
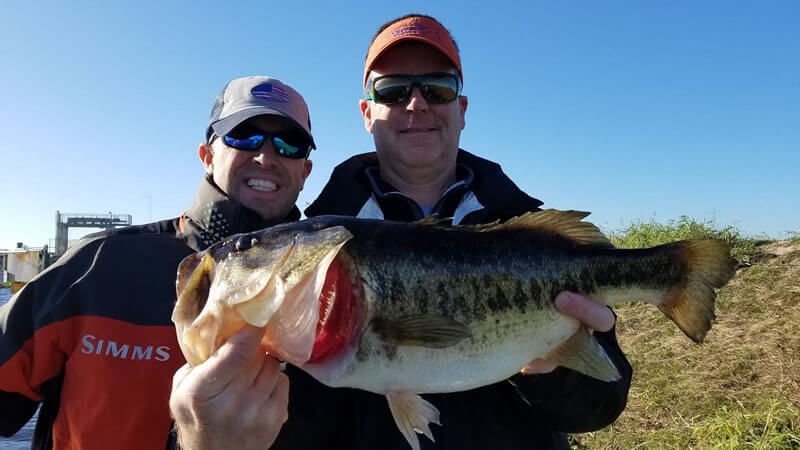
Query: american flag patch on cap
x=270, y=92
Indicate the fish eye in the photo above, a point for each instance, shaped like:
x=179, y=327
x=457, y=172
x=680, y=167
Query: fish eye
x=245, y=242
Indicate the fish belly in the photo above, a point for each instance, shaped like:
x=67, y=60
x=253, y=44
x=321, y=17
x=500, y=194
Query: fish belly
x=498, y=348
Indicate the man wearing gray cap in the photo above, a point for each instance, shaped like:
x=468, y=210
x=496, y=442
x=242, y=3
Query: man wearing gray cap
x=91, y=338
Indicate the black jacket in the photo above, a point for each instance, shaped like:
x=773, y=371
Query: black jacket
x=91, y=339
x=524, y=412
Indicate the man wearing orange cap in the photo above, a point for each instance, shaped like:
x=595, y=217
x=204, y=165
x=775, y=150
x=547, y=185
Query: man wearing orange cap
x=414, y=109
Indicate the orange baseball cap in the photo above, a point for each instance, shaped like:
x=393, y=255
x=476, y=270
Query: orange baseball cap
x=416, y=28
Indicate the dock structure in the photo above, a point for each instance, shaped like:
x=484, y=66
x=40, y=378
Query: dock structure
x=22, y=263
x=65, y=221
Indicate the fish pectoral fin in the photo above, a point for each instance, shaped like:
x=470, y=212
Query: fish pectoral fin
x=412, y=414
x=582, y=353
x=421, y=331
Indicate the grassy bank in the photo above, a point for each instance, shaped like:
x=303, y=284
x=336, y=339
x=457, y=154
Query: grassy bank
x=738, y=390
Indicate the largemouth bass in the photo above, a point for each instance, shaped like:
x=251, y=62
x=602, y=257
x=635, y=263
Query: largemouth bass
x=402, y=309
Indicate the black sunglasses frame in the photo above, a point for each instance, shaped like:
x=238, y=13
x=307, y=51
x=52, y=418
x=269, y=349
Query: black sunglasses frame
x=278, y=144
x=415, y=80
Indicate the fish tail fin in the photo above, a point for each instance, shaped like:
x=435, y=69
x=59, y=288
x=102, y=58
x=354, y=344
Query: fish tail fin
x=708, y=267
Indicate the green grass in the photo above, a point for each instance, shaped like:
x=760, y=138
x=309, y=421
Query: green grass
x=648, y=234
x=13, y=285
x=738, y=390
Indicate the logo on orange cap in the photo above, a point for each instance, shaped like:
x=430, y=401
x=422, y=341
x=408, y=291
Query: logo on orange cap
x=423, y=29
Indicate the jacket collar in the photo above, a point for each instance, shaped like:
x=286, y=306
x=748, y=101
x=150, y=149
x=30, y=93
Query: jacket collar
x=350, y=187
x=400, y=206
x=213, y=216
x=381, y=188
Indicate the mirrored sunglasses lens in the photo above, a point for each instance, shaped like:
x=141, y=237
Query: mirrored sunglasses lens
x=251, y=143
x=391, y=90
x=440, y=89
x=287, y=150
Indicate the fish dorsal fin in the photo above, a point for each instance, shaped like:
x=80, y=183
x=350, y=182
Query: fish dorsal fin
x=446, y=223
x=568, y=224
x=420, y=330
x=433, y=220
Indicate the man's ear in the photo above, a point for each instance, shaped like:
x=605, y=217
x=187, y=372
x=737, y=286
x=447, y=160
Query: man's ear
x=307, y=165
x=366, y=112
x=206, y=154
x=462, y=99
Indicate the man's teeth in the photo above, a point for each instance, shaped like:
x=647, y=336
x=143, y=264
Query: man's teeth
x=262, y=185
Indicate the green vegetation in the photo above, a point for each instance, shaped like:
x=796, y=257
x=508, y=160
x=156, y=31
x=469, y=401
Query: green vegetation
x=648, y=234
x=738, y=390
x=13, y=285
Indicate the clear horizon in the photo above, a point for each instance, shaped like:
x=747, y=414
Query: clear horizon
x=632, y=113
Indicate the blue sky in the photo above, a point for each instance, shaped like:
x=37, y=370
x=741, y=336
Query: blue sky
x=630, y=110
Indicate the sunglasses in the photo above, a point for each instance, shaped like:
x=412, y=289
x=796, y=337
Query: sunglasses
x=436, y=87
x=289, y=144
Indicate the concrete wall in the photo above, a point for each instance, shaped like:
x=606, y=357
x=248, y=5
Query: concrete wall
x=23, y=264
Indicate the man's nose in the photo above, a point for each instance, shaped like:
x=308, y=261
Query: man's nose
x=266, y=154
x=416, y=101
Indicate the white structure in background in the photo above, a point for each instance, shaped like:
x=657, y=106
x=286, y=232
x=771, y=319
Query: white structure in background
x=22, y=263
x=65, y=221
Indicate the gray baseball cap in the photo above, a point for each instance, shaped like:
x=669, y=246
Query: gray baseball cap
x=248, y=97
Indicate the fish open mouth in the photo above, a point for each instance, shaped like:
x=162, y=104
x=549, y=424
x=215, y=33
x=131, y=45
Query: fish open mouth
x=265, y=279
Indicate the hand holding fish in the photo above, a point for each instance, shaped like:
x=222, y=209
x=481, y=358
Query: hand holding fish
x=237, y=399
x=592, y=315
